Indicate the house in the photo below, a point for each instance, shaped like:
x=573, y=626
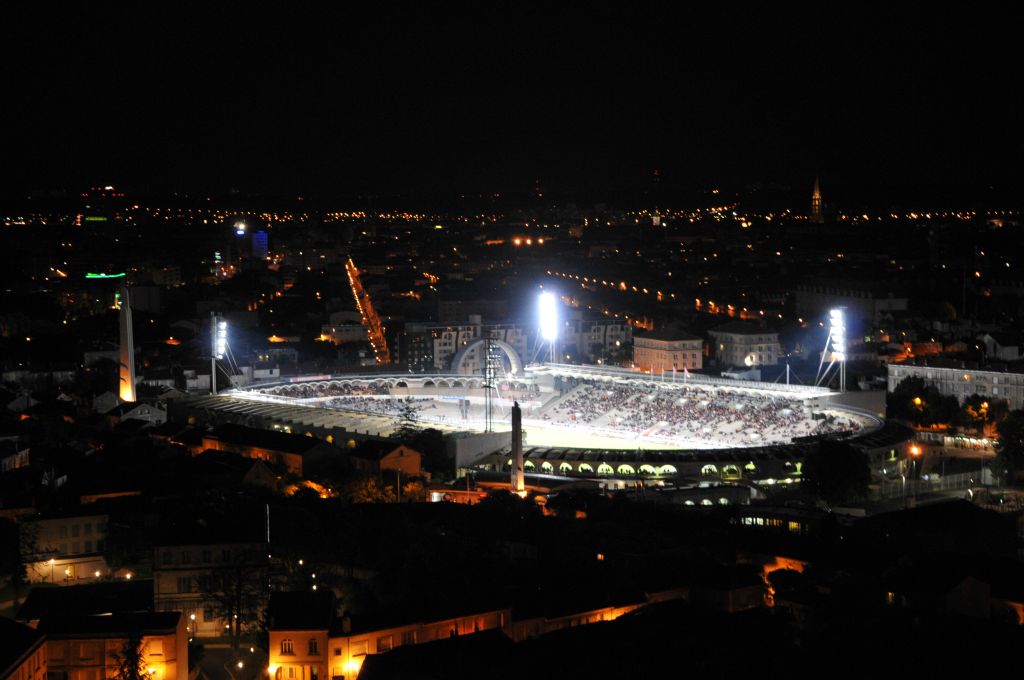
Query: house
x=743, y=343
x=141, y=411
x=23, y=652
x=292, y=452
x=104, y=402
x=102, y=598
x=64, y=549
x=309, y=642
x=659, y=352
x=1002, y=346
x=81, y=647
x=196, y=558
x=375, y=457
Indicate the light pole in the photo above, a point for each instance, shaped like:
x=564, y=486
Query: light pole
x=51, y=569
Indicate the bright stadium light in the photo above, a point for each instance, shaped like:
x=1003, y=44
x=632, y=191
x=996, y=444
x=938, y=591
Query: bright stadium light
x=837, y=334
x=837, y=339
x=221, y=339
x=219, y=331
x=548, y=312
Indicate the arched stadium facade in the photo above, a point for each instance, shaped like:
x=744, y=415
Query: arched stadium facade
x=579, y=421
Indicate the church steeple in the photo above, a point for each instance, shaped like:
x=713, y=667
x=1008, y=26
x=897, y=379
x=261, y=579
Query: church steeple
x=817, y=214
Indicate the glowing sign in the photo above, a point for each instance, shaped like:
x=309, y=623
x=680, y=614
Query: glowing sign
x=93, y=275
x=95, y=218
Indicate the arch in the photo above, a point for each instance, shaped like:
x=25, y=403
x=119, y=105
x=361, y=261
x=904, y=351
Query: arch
x=402, y=383
x=565, y=467
x=730, y=471
x=605, y=469
x=706, y=501
x=528, y=465
x=428, y=383
x=626, y=469
x=667, y=470
x=459, y=360
x=648, y=470
x=546, y=466
x=723, y=501
x=585, y=467
x=750, y=467
x=709, y=469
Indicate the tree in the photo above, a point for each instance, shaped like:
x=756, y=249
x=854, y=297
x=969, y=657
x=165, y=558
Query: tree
x=431, y=445
x=836, y=472
x=129, y=662
x=921, y=404
x=369, y=490
x=414, y=491
x=978, y=411
x=1009, y=446
x=408, y=418
x=237, y=592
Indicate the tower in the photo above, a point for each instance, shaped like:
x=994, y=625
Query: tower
x=259, y=245
x=817, y=215
x=126, y=359
x=518, y=480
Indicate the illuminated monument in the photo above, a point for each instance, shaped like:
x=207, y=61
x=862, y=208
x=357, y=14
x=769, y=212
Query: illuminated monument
x=518, y=480
x=817, y=214
x=126, y=362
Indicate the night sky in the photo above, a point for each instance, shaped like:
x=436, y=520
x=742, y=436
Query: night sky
x=416, y=101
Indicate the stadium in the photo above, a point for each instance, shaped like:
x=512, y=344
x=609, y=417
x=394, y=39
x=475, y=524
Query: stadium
x=578, y=421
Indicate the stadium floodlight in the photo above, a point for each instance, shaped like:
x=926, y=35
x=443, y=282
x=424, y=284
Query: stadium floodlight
x=837, y=339
x=548, y=312
x=837, y=334
x=221, y=339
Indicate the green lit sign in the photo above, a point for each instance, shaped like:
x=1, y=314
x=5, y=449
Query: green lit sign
x=95, y=218
x=92, y=275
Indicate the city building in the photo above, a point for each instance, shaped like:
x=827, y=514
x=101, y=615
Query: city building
x=666, y=351
x=309, y=642
x=959, y=379
x=259, y=245
x=23, y=652
x=866, y=302
x=376, y=457
x=742, y=343
x=427, y=347
x=290, y=452
x=596, y=340
x=85, y=647
x=64, y=550
x=197, y=569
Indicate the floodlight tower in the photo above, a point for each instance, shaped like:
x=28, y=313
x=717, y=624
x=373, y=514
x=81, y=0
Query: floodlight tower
x=837, y=341
x=219, y=344
x=547, y=309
